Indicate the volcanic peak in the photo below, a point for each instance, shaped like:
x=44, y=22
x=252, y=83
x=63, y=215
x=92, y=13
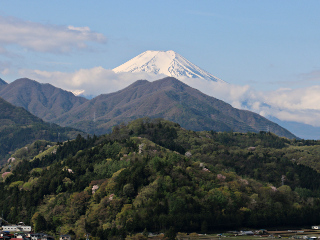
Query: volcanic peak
x=168, y=63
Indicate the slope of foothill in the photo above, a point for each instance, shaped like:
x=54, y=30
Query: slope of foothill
x=152, y=174
x=18, y=127
x=43, y=100
x=170, y=99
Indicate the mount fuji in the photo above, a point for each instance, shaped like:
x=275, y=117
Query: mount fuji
x=168, y=63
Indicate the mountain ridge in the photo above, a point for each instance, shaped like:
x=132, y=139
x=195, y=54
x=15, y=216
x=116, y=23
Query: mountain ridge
x=2, y=82
x=43, y=100
x=167, y=98
x=170, y=99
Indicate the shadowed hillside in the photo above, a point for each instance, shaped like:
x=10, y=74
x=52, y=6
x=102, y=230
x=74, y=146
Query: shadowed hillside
x=18, y=127
x=166, y=98
x=43, y=100
x=2, y=83
x=170, y=99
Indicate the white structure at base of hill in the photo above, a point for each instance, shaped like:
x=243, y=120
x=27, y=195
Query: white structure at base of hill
x=16, y=228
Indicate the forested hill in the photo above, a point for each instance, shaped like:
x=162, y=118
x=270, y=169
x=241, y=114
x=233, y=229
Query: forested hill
x=166, y=98
x=18, y=127
x=42, y=100
x=155, y=175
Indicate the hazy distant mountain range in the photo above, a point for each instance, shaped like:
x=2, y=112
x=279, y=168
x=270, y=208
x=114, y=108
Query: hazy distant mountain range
x=299, y=129
x=167, y=98
x=43, y=100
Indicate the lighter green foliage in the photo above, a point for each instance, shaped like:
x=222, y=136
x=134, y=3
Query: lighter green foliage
x=16, y=184
x=285, y=189
x=46, y=152
x=108, y=167
x=31, y=182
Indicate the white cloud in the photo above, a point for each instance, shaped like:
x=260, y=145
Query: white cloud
x=299, y=105
x=297, y=99
x=231, y=93
x=45, y=37
x=94, y=81
x=302, y=116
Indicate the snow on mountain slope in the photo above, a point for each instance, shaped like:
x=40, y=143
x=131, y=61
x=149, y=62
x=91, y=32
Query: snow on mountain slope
x=169, y=63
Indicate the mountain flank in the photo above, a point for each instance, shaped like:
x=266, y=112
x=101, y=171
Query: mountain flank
x=43, y=100
x=2, y=82
x=18, y=127
x=166, y=98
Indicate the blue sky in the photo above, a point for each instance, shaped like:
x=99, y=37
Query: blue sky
x=267, y=49
x=261, y=43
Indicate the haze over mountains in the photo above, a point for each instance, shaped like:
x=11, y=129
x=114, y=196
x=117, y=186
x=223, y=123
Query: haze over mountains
x=167, y=98
x=106, y=110
x=43, y=100
x=154, y=65
x=173, y=64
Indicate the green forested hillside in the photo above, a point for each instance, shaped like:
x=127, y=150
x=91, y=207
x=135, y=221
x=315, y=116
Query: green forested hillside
x=154, y=175
x=18, y=127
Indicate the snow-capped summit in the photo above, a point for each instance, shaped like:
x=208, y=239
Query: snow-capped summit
x=169, y=63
